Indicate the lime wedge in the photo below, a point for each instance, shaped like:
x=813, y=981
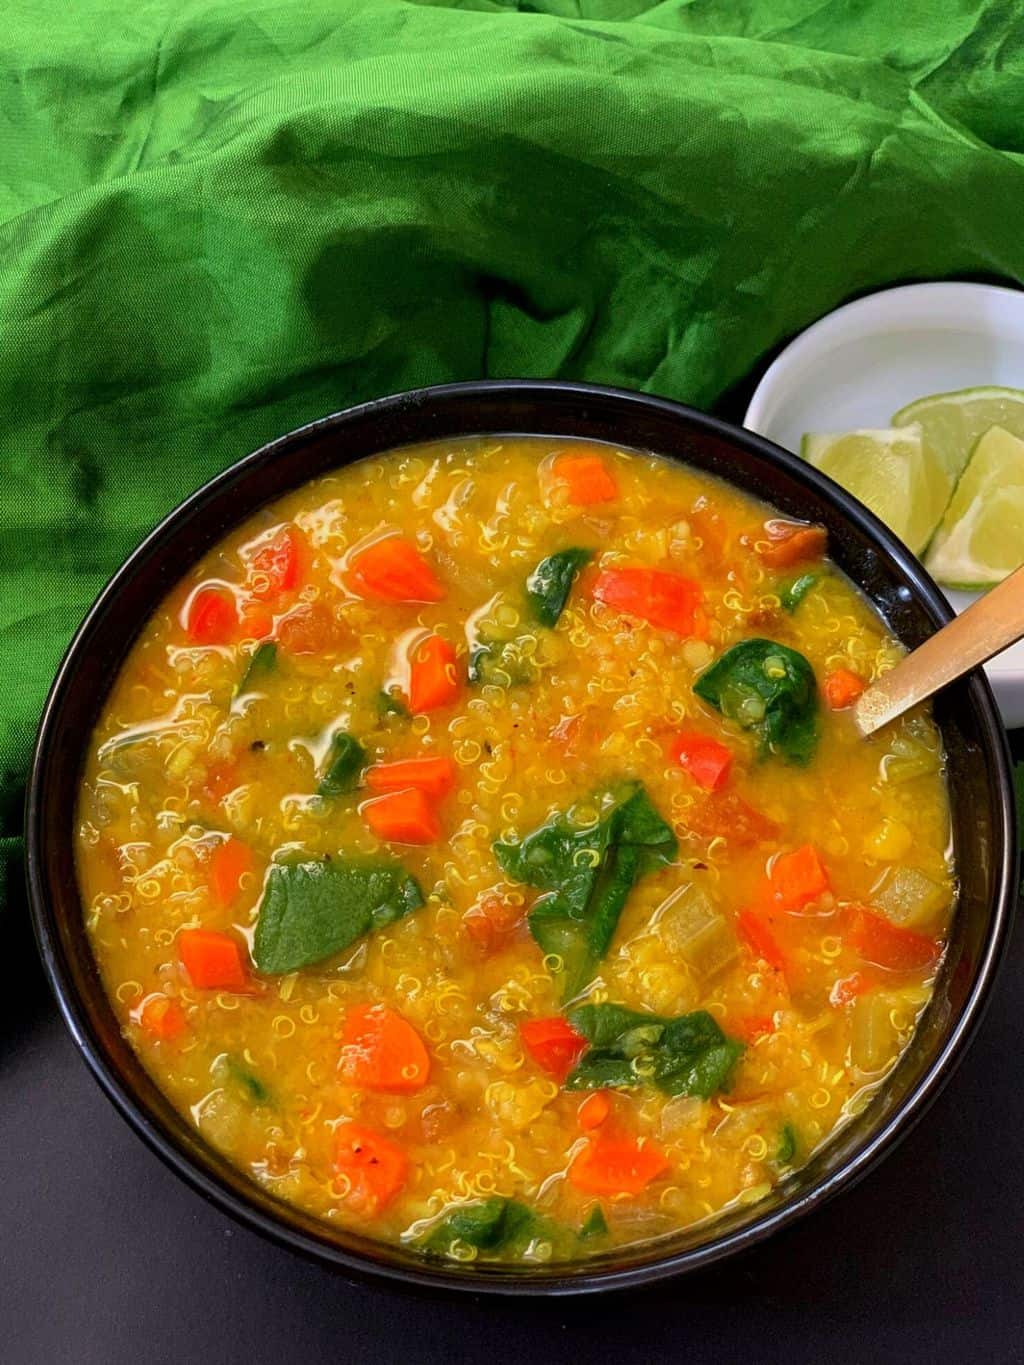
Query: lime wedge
x=981, y=538
x=894, y=471
x=953, y=422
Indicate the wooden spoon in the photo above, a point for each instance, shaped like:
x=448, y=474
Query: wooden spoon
x=994, y=622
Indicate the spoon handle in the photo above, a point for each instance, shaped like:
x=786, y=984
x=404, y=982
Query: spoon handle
x=990, y=624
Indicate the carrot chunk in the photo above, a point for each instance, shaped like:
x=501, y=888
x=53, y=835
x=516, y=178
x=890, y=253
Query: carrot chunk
x=162, y=1018
x=433, y=680
x=706, y=760
x=393, y=570
x=586, y=478
x=310, y=628
x=553, y=1045
x=726, y=815
x=664, y=599
x=751, y=1027
x=491, y=921
x=842, y=688
x=613, y=1165
x=594, y=1111
x=792, y=542
x=212, y=617
x=382, y=1051
x=796, y=879
x=432, y=776
x=277, y=567
x=405, y=817
x=229, y=863
x=213, y=960
x=374, y=1167
x=758, y=937
x=887, y=945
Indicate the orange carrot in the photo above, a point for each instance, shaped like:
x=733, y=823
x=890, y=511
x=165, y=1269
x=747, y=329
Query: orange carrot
x=757, y=935
x=726, y=815
x=276, y=567
x=382, y=1051
x=311, y=628
x=405, y=817
x=490, y=921
x=752, y=1027
x=374, y=1168
x=842, y=688
x=594, y=1111
x=433, y=776
x=255, y=621
x=615, y=1165
x=706, y=760
x=585, y=477
x=162, y=1018
x=887, y=945
x=791, y=542
x=229, y=863
x=393, y=570
x=212, y=617
x=213, y=960
x=664, y=599
x=553, y=1045
x=433, y=680
x=795, y=879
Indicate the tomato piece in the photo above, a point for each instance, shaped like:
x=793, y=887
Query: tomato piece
x=594, y=1111
x=393, y=570
x=432, y=776
x=433, y=678
x=752, y=1027
x=706, y=760
x=374, y=1167
x=726, y=815
x=405, y=817
x=212, y=617
x=842, y=688
x=585, y=477
x=795, y=879
x=491, y=921
x=229, y=863
x=380, y=1050
x=887, y=945
x=792, y=542
x=277, y=566
x=310, y=628
x=213, y=960
x=664, y=599
x=162, y=1018
x=616, y=1165
x=553, y=1045
x=756, y=933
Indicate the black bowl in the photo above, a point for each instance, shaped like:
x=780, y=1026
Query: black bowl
x=979, y=778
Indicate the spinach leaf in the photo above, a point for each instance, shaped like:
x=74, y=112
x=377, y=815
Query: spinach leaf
x=345, y=762
x=548, y=587
x=391, y=704
x=786, y=1150
x=262, y=661
x=248, y=1080
x=791, y=594
x=687, y=1055
x=594, y=1225
x=500, y=662
x=312, y=910
x=493, y=1224
x=587, y=874
x=768, y=688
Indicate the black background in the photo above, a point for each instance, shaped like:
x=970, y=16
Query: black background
x=107, y=1257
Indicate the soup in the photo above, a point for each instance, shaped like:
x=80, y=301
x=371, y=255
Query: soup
x=478, y=850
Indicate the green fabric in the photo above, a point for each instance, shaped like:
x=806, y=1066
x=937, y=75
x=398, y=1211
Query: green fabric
x=220, y=218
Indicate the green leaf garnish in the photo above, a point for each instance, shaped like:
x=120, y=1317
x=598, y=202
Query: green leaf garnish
x=770, y=689
x=248, y=1080
x=500, y=662
x=389, y=703
x=548, y=587
x=587, y=874
x=791, y=594
x=493, y=1224
x=345, y=762
x=262, y=661
x=314, y=909
x=686, y=1055
x=786, y=1150
x=594, y=1225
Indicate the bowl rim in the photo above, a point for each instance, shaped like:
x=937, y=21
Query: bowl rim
x=173, y=1152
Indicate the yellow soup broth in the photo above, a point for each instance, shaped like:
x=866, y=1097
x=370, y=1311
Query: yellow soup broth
x=395, y=995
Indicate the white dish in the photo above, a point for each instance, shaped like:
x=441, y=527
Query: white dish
x=865, y=361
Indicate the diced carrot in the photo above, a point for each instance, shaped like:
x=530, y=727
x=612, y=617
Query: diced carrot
x=405, y=817
x=849, y=987
x=310, y=628
x=382, y=1051
x=617, y=1165
x=433, y=776
x=553, y=1045
x=886, y=944
x=212, y=617
x=594, y=1111
x=664, y=599
x=792, y=542
x=795, y=879
x=726, y=815
x=433, y=678
x=162, y=1018
x=706, y=760
x=213, y=960
x=277, y=566
x=842, y=688
x=491, y=921
x=586, y=478
x=255, y=621
x=757, y=935
x=751, y=1027
x=229, y=863
x=374, y=1167
x=393, y=570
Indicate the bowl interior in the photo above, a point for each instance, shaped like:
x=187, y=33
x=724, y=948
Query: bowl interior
x=978, y=774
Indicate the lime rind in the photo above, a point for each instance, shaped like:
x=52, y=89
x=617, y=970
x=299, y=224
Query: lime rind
x=981, y=538
x=953, y=422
